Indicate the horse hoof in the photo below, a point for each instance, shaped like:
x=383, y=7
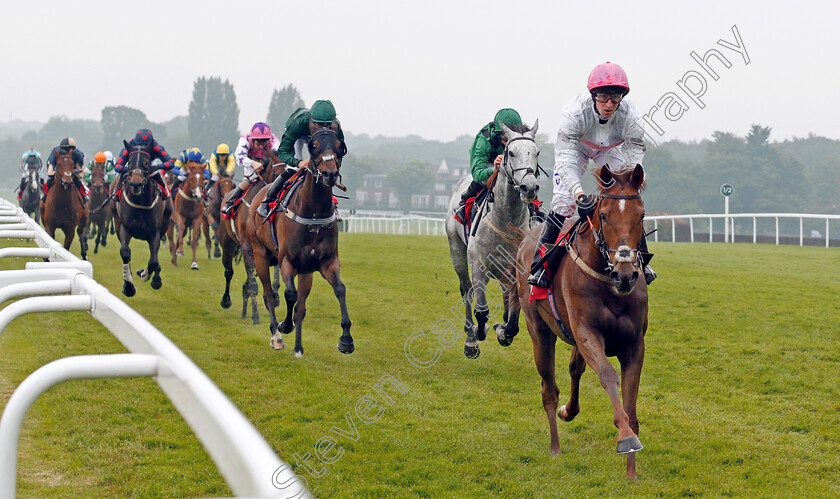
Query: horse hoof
x=217, y=254
x=156, y=282
x=194, y=266
x=226, y=302
x=500, y=335
x=143, y=274
x=129, y=289
x=179, y=253
x=277, y=343
x=346, y=347
x=472, y=352
x=286, y=328
x=298, y=354
x=628, y=444
x=481, y=335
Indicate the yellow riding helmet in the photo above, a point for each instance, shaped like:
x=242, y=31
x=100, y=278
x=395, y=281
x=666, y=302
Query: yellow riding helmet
x=222, y=149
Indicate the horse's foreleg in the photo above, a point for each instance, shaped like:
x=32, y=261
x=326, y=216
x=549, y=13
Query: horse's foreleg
x=196, y=232
x=591, y=348
x=153, y=268
x=250, y=289
x=260, y=263
x=506, y=331
x=332, y=274
x=205, y=225
x=83, y=240
x=304, y=287
x=227, y=263
x=288, y=273
x=125, y=254
x=631, y=373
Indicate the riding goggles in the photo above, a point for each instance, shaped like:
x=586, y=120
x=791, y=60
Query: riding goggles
x=603, y=98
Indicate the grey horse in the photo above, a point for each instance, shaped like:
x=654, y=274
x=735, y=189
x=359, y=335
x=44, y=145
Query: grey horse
x=491, y=249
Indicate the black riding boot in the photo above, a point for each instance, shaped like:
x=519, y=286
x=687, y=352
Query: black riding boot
x=273, y=190
x=23, y=183
x=650, y=275
x=227, y=209
x=175, y=186
x=472, y=190
x=49, y=184
x=78, y=184
x=551, y=229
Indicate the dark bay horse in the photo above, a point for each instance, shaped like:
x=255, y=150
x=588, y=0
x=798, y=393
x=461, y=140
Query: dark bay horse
x=601, y=302
x=214, y=207
x=101, y=216
x=63, y=207
x=303, y=240
x=143, y=212
x=188, y=212
x=30, y=197
x=233, y=239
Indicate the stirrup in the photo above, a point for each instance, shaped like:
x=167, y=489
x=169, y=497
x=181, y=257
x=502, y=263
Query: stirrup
x=227, y=209
x=264, y=210
x=539, y=279
x=461, y=213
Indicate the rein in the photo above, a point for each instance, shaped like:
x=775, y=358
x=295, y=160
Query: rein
x=528, y=170
x=603, y=247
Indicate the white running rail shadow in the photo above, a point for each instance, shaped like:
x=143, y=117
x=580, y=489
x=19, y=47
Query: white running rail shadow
x=245, y=460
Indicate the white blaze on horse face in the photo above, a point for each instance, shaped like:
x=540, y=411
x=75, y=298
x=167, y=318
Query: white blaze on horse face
x=621, y=206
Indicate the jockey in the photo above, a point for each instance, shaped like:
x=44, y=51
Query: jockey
x=188, y=157
x=601, y=125
x=222, y=164
x=250, y=154
x=144, y=137
x=67, y=145
x=31, y=159
x=299, y=128
x=100, y=159
x=486, y=155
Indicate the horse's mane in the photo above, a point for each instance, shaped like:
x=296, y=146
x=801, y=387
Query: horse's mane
x=616, y=178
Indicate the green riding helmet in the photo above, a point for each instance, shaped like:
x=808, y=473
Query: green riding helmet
x=322, y=112
x=507, y=116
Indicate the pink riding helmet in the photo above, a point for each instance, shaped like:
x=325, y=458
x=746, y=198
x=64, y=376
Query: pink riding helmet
x=608, y=75
x=259, y=131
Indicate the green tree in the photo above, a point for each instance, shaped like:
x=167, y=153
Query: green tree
x=283, y=103
x=213, y=114
x=409, y=178
x=121, y=122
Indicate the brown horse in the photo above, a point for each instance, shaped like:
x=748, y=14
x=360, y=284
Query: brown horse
x=233, y=239
x=143, y=212
x=214, y=207
x=602, y=304
x=64, y=207
x=303, y=240
x=102, y=216
x=188, y=211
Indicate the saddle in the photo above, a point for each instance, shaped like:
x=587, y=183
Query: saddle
x=289, y=189
x=564, y=239
x=471, y=211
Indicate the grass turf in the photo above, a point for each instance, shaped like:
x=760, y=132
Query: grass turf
x=739, y=392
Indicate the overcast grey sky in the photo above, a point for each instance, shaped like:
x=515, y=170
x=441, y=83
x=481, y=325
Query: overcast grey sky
x=434, y=68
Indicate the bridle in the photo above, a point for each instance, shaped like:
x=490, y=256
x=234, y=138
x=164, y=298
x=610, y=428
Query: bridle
x=325, y=145
x=628, y=255
x=509, y=172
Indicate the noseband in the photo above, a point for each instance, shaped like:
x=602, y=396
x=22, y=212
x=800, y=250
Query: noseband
x=325, y=145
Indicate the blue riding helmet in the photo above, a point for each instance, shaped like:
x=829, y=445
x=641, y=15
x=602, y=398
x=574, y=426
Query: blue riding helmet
x=143, y=137
x=195, y=155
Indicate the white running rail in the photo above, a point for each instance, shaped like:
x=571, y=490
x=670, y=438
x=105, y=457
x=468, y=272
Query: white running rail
x=245, y=460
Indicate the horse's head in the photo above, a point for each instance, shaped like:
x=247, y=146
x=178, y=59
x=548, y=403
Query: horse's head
x=32, y=176
x=64, y=168
x=326, y=151
x=617, y=222
x=194, y=180
x=97, y=176
x=139, y=167
x=520, y=160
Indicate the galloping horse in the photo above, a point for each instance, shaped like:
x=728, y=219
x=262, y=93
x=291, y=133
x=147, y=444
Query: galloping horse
x=303, y=240
x=489, y=252
x=30, y=197
x=142, y=213
x=100, y=218
x=214, y=207
x=63, y=207
x=188, y=211
x=602, y=305
x=233, y=238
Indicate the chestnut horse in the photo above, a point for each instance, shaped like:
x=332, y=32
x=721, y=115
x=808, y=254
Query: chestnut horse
x=214, y=208
x=603, y=306
x=63, y=207
x=303, y=240
x=100, y=218
x=188, y=212
x=232, y=236
x=143, y=212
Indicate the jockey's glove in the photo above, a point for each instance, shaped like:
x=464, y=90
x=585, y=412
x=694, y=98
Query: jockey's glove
x=586, y=205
